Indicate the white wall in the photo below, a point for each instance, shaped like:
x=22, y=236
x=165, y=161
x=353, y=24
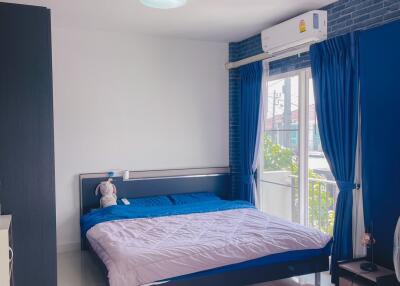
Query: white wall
x=125, y=101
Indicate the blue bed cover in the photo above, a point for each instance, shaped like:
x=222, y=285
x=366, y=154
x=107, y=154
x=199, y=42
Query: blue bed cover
x=130, y=211
x=278, y=258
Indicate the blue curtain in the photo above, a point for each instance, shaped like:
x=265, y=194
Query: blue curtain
x=334, y=66
x=250, y=127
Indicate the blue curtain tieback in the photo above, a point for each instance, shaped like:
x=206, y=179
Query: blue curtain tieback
x=346, y=186
x=247, y=179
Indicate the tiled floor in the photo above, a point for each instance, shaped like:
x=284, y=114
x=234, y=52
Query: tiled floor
x=79, y=269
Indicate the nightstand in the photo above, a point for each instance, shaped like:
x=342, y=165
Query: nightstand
x=350, y=274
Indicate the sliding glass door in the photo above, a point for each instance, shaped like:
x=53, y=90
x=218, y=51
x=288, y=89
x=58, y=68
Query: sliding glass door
x=295, y=183
x=280, y=156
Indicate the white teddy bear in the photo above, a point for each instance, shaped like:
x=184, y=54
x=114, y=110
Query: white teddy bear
x=108, y=193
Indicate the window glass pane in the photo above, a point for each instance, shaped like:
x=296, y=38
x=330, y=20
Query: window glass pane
x=282, y=104
x=322, y=189
x=280, y=183
x=281, y=156
x=277, y=200
x=279, y=179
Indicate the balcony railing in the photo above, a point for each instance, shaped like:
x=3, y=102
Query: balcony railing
x=280, y=196
x=320, y=203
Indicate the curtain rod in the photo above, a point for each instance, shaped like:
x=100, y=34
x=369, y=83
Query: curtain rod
x=269, y=57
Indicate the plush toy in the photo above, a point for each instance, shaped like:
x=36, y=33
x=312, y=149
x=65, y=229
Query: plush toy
x=108, y=193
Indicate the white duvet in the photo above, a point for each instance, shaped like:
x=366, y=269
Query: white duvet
x=140, y=251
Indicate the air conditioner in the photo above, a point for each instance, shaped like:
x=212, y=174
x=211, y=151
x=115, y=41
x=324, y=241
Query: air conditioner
x=295, y=35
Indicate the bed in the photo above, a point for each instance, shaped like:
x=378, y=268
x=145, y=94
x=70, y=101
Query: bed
x=182, y=229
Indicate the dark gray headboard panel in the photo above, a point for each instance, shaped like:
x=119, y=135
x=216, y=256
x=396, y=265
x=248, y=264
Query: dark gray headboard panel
x=152, y=183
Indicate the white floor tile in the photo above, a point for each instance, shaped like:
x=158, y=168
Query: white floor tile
x=78, y=269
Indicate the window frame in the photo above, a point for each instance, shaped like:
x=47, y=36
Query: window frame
x=304, y=75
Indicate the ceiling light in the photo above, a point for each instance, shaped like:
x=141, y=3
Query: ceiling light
x=163, y=4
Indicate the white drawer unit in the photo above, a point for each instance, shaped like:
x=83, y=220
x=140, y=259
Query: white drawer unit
x=5, y=225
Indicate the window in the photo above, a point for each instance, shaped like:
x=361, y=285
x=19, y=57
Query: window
x=296, y=181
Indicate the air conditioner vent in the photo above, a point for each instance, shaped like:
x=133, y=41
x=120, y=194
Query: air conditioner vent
x=298, y=32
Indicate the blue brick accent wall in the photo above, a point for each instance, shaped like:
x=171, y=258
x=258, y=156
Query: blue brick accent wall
x=237, y=51
x=344, y=16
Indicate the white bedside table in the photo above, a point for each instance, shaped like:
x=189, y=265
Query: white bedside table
x=5, y=225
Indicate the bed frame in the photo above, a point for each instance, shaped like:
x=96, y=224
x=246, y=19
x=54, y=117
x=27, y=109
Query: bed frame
x=179, y=181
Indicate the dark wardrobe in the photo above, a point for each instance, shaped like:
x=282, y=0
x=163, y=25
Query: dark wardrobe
x=26, y=142
x=380, y=104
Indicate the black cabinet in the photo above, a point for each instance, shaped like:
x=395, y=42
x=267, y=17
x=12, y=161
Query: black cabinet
x=350, y=274
x=27, y=188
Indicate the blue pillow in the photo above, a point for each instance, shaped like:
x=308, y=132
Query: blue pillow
x=154, y=201
x=193, y=198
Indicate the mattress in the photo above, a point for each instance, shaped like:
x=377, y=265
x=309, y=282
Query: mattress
x=138, y=251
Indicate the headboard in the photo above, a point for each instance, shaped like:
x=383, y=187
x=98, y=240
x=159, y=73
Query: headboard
x=153, y=183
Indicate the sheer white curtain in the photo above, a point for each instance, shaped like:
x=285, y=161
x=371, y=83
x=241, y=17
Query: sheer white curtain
x=264, y=94
x=358, y=210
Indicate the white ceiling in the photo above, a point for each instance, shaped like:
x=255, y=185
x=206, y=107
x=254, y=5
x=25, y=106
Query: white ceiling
x=210, y=20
